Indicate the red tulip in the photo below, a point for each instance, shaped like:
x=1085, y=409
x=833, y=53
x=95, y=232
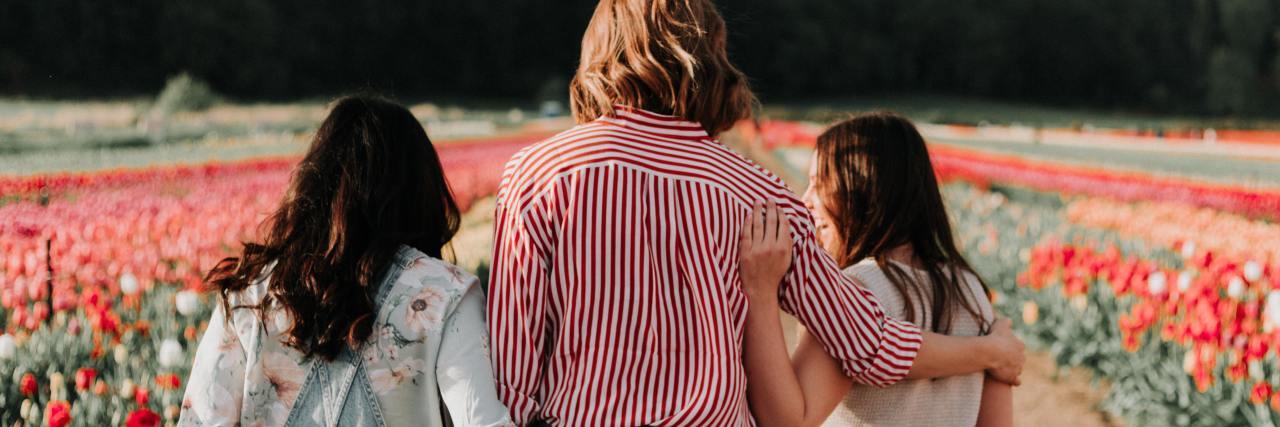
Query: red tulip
x=28, y=385
x=142, y=417
x=85, y=377
x=168, y=382
x=141, y=396
x=1260, y=393
x=57, y=414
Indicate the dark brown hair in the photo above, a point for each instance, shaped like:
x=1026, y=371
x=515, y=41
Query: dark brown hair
x=370, y=182
x=880, y=192
x=665, y=56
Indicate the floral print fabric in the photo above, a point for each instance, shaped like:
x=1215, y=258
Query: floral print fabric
x=429, y=349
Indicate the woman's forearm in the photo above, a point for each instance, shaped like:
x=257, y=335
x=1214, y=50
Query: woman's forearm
x=997, y=404
x=772, y=387
x=946, y=356
x=999, y=353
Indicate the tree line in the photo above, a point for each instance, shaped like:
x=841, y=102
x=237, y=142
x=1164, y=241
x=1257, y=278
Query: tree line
x=1190, y=56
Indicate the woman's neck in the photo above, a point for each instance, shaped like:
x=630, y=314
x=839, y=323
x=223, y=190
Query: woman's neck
x=904, y=255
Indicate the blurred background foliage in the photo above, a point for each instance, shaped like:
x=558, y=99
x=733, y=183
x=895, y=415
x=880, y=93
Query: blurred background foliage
x=1174, y=56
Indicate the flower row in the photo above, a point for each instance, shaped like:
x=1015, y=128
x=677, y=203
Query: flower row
x=979, y=167
x=168, y=226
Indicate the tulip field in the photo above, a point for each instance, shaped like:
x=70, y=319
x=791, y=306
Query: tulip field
x=1165, y=288
x=100, y=276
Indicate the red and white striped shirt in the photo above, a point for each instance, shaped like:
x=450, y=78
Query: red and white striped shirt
x=615, y=297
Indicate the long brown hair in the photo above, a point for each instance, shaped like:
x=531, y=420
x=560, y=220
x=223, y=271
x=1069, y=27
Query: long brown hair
x=370, y=182
x=880, y=192
x=665, y=56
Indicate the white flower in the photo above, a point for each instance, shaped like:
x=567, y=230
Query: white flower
x=1188, y=249
x=187, y=302
x=120, y=353
x=1079, y=302
x=127, y=388
x=1184, y=280
x=1252, y=271
x=386, y=379
x=8, y=348
x=129, y=284
x=1235, y=288
x=1157, y=283
x=170, y=353
x=426, y=310
x=1255, y=371
x=1272, y=310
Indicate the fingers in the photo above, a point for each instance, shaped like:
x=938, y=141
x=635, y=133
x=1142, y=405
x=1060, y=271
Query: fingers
x=784, y=228
x=773, y=215
x=757, y=221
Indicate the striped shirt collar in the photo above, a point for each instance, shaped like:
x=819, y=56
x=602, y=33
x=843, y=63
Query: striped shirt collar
x=651, y=122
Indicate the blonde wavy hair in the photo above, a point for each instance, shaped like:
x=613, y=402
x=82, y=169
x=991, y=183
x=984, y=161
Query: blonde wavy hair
x=665, y=56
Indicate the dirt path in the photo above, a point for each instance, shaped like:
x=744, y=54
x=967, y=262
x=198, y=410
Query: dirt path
x=1066, y=399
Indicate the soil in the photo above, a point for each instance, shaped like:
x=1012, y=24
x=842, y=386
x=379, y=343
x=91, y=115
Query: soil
x=1049, y=397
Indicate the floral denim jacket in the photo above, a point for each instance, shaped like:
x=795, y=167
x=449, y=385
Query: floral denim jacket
x=426, y=364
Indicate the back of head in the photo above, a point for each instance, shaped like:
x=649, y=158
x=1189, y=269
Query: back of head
x=879, y=188
x=370, y=182
x=665, y=56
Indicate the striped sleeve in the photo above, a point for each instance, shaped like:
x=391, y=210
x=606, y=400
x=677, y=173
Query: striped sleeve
x=517, y=300
x=872, y=348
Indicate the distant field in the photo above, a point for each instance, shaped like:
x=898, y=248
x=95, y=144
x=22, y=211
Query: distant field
x=51, y=136
x=1217, y=168
x=940, y=109
x=57, y=136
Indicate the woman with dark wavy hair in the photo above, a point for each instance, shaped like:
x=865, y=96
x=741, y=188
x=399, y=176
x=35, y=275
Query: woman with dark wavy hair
x=344, y=313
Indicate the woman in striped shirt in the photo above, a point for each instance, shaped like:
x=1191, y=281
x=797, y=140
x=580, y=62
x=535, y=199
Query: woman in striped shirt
x=880, y=214
x=615, y=297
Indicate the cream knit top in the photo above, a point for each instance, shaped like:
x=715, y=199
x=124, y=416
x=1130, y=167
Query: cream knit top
x=952, y=401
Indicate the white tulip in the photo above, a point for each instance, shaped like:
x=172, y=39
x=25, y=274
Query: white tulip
x=1184, y=280
x=8, y=348
x=1252, y=271
x=129, y=284
x=127, y=388
x=1157, y=283
x=1272, y=310
x=120, y=354
x=1255, y=371
x=1235, y=288
x=1188, y=249
x=170, y=353
x=187, y=302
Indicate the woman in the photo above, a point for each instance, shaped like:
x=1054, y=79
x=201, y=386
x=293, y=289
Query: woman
x=344, y=312
x=880, y=215
x=614, y=292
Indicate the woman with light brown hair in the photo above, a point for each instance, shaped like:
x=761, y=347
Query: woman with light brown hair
x=615, y=293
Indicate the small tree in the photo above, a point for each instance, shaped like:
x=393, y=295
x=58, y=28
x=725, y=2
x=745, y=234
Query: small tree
x=183, y=93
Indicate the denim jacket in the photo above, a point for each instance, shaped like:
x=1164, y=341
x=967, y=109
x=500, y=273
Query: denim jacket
x=426, y=363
